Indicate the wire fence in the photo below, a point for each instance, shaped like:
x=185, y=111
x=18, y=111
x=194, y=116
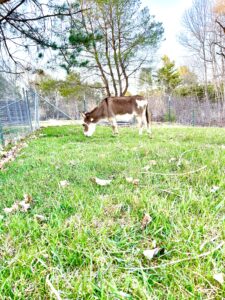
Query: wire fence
x=19, y=116
x=187, y=111
x=22, y=113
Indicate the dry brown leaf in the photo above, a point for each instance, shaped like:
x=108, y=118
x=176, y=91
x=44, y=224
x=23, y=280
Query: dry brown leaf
x=150, y=254
x=64, y=183
x=40, y=218
x=28, y=198
x=219, y=277
x=24, y=205
x=146, y=220
x=73, y=162
x=136, y=181
x=129, y=179
x=102, y=182
x=132, y=180
x=146, y=168
x=11, y=154
x=214, y=189
x=172, y=159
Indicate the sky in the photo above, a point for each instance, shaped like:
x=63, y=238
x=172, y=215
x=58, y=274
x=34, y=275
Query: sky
x=170, y=12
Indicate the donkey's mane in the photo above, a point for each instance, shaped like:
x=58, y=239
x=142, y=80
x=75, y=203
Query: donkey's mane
x=94, y=109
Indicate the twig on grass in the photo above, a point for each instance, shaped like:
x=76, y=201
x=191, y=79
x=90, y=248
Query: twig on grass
x=173, y=262
x=182, y=154
x=208, y=241
x=176, y=174
x=53, y=290
x=169, y=192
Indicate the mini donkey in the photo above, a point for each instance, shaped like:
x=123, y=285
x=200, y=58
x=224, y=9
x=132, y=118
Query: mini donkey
x=111, y=107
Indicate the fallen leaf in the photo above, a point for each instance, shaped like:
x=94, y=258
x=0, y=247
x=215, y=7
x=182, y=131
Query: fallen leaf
x=172, y=159
x=8, y=210
x=153, y=162
x=154, y=243
x=27, y=198
x=40, y=218
x=132, y=180
x=24, y=205
x=146, y=168
x=146, y=220
x=64, y=183
x=101, y=182
x=11, y=154
x=129, y=179
x=136, y=181
x=150, y=254
x=11, y=209
x=214, y=189
x=219, y=277
x=73, y=162
x=124, y=295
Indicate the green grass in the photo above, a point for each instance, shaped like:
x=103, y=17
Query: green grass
x=91, y=244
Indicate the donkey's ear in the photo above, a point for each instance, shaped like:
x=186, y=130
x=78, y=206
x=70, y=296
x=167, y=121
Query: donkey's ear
x=83, y=115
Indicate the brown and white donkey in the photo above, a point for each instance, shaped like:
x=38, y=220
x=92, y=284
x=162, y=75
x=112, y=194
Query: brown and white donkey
x=111, y=107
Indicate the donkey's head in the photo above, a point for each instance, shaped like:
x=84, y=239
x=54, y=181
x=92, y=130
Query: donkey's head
x=89, y=124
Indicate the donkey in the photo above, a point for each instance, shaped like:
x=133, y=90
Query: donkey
x=111, y=107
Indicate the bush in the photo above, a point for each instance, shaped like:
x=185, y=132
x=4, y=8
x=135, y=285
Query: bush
x=169, y=117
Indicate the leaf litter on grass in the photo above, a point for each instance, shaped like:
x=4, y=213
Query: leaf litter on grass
x=134, y=181
x=8, y=156
x=23, y=205
x=145, y=221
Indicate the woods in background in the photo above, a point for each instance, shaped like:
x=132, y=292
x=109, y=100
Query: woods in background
x=204, y=36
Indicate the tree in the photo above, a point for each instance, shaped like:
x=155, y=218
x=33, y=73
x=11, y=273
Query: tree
x=204, y=35
x=26, y=24
x=195, y=22
x=145, y=78
x=187, y=77
x=168, y=76
x=219, y=11
x=71, y=87
x=115, y=37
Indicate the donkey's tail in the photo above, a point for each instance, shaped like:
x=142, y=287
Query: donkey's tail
x=148, y=115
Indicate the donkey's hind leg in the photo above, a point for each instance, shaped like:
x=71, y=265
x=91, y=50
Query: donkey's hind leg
x=140, y=124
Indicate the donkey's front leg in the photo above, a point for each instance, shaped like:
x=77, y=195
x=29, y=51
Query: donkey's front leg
x=114, y=125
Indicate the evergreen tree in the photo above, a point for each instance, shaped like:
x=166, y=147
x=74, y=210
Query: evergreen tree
x=168, y=76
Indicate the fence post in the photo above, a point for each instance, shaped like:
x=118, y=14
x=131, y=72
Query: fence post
x=169, y=107
x=193, y=115
x=1, y=135
x=37, y=109
x=85, y=104
x=28, y=109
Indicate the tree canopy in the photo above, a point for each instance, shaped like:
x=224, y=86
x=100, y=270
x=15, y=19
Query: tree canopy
x=112, y=40
x=168, y=76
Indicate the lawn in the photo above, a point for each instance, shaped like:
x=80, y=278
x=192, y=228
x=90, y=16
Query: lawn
x=90, y=240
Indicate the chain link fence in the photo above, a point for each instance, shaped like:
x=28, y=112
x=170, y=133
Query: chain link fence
x=19, y=116
x=187, y=111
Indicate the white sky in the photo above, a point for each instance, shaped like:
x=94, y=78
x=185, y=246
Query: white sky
x=170, y=12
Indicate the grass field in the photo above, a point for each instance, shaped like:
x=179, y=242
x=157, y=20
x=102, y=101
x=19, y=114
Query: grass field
x=90, y=244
